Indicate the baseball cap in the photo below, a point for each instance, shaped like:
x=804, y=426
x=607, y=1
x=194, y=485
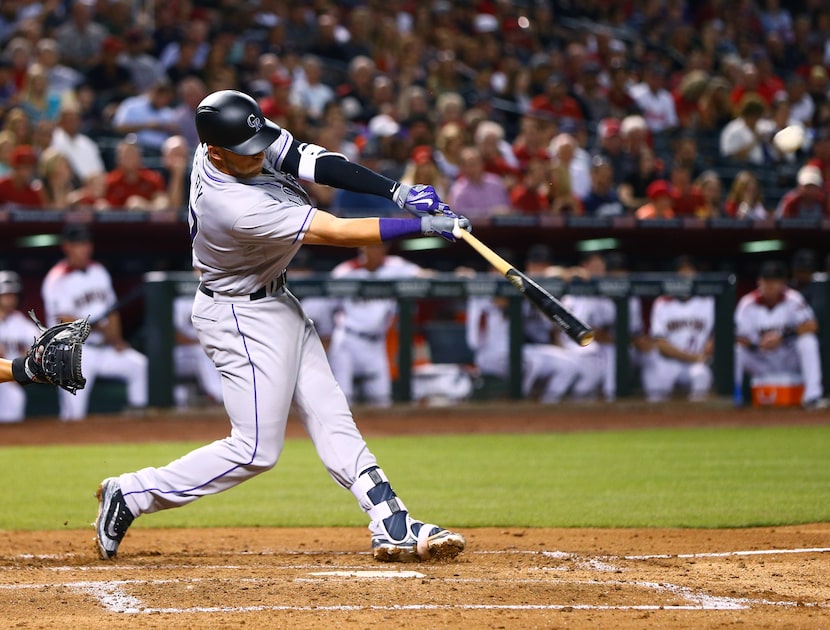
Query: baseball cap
x=76, y=233
x=486, y=23
x=10, y=282
x=609, y=127
x=810, y=175
x=23, y=154
x=112, y=44
x=658, y=188
x=773, y=270
x=383, y=126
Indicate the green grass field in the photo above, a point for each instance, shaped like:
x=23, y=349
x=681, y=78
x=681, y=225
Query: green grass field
x=649, y=478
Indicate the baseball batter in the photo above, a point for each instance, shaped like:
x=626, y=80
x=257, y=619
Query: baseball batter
x=775, y=331
x=78, y=287
x=248, y=216
x=357, y=352
x=16, y=334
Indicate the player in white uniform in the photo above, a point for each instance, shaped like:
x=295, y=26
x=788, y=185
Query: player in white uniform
x=682, y=330
x=588, y=372
x=357, y=351
x=189, y=358
x=78, y=287
x=775, y=331
x=248, y=216
x=17, y=331
x=545, y=366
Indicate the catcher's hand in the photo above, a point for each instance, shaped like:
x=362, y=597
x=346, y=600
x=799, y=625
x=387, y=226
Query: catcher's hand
x=55, y=356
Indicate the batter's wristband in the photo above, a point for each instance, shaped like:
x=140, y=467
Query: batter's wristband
x=391, y=229
x=19, y=371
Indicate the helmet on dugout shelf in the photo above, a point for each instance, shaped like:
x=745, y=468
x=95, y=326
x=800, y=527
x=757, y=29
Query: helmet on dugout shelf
x=234, y=121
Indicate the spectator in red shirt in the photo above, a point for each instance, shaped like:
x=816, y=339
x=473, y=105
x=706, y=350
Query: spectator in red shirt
x=808, y=200
x=687, y=97
x=19, y=187
x=659, y=204
x=496, y=152
x=532, y=141
x=277, y=104
x=531, y=196
x=688, y=200
x=766, y=85
x=131, y=186
x=556, y=101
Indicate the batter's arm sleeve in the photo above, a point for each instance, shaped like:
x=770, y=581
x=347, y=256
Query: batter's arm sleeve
x=314, y=163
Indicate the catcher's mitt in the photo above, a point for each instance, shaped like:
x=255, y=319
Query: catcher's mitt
x=55, y=356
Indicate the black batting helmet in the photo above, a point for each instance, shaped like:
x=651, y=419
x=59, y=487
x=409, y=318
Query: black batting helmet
x=234, y=121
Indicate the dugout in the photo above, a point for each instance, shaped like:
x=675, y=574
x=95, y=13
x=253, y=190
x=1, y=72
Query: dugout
x=161, y=288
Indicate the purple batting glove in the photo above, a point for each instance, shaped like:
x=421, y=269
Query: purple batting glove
x=444, y=210
x=420, y=200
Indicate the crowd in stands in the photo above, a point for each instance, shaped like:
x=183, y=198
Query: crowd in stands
x=646, y=108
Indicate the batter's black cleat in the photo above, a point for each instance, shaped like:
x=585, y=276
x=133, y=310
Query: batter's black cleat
x=422, y=543
x=114, y=518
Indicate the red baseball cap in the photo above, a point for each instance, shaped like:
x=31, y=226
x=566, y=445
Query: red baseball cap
x=658, y=188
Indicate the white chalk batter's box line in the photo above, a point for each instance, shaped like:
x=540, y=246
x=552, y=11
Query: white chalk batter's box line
x=112, y=596
x=553, y=554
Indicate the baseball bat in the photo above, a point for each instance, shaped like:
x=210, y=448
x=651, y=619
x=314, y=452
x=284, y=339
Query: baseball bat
x=570, y=324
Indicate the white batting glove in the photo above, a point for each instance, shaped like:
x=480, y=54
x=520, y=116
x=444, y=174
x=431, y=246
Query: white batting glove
x=443, y=226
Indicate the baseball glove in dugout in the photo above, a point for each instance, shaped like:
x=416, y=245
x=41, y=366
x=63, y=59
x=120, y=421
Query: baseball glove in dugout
x=55, y=356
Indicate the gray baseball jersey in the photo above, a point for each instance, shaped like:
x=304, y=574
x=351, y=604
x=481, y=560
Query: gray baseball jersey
x=245, y=234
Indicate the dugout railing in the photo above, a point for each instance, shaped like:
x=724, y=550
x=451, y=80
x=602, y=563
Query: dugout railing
x=161, y=288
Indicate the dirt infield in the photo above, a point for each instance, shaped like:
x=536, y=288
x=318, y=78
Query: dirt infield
x=507, y=578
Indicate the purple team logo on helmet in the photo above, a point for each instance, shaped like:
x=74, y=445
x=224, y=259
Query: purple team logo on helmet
x=254, y=122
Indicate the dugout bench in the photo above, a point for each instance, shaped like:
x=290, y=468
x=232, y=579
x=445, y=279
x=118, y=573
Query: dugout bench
x=161, y=288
